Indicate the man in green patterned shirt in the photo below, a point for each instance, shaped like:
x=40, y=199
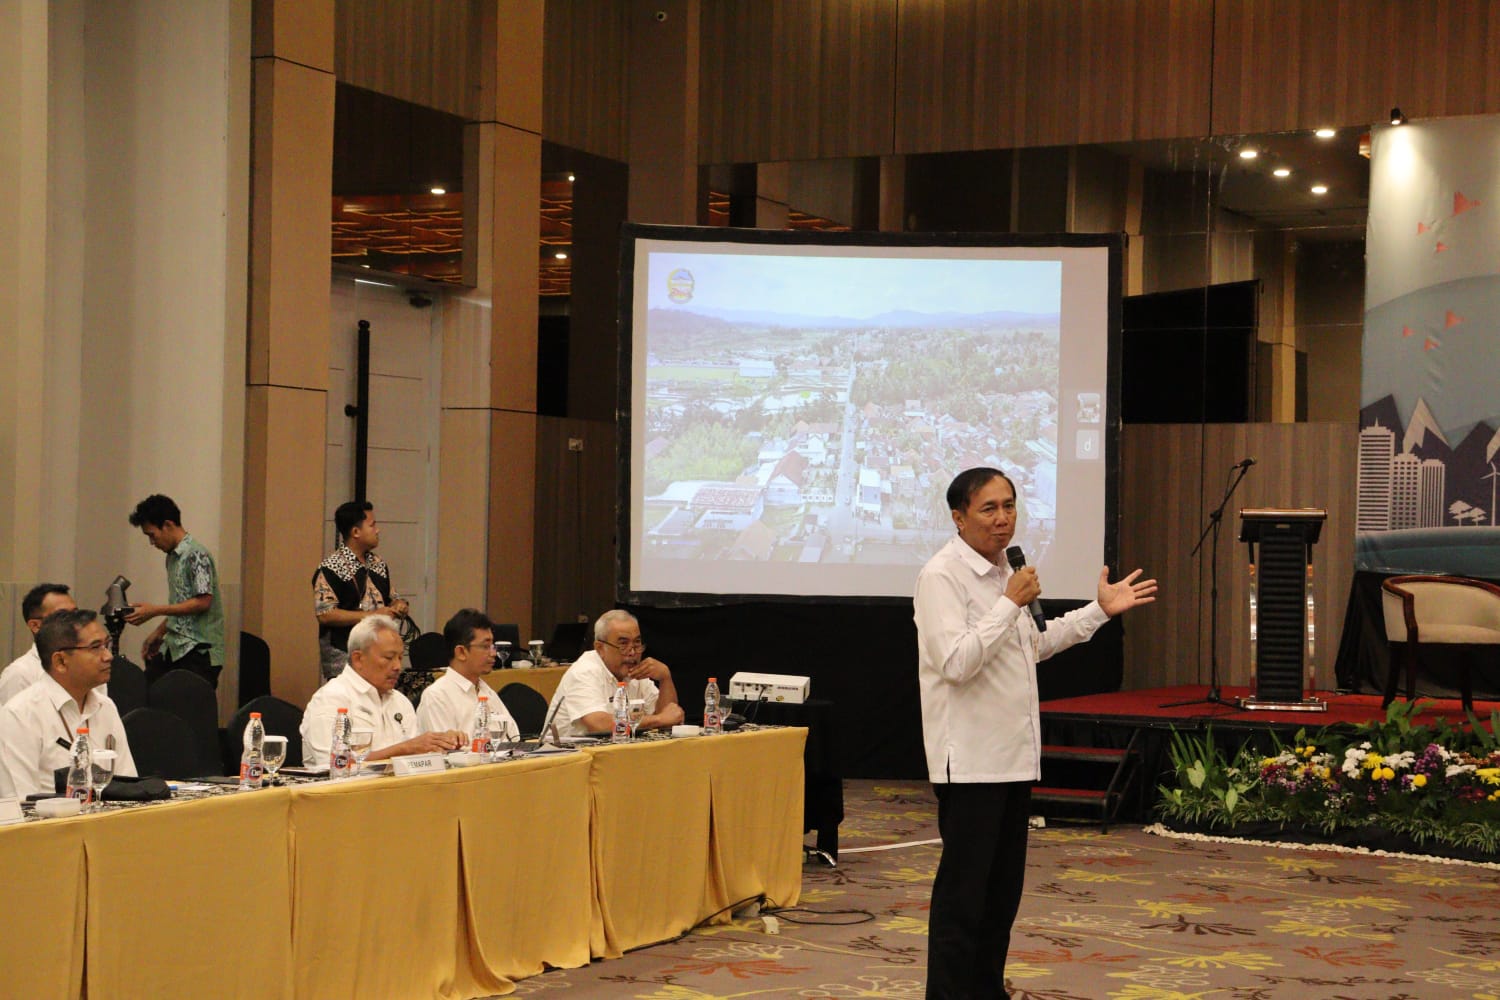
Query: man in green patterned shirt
x=191, y=635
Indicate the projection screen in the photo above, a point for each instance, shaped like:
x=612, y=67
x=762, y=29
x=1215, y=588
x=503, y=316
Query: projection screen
x=794, y=405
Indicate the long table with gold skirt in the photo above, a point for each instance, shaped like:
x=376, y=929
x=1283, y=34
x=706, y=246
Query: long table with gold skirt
x=450, y=885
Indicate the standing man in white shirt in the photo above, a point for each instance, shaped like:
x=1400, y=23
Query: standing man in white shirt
x=977, y=652
x=38, y=726
x=582, y=701
x=367, y=688
x=26, y=669
x=451, y=701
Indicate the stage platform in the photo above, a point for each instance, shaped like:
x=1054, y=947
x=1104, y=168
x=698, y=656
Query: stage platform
x=1146, y=708
x=1141, y=719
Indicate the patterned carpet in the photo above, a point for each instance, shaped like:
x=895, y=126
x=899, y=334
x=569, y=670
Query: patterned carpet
x=1125, y=915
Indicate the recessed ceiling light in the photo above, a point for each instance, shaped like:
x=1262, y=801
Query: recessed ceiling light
x=1325, y=133
x=570, y=178
x=560, y=255
x=1248, y=154
x=1282, y=172
x=1320, y=189
x=438, y=190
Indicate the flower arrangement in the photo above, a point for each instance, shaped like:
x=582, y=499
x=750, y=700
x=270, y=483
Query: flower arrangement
x=1434, y=787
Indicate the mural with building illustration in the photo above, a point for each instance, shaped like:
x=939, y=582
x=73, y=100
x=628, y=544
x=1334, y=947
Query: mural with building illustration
x=1429, y=440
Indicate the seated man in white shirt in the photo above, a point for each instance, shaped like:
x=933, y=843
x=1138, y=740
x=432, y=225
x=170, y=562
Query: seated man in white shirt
x=582, y=703
x=367, y=688
x=450, y=702
x=26, y=669
x=38, y=726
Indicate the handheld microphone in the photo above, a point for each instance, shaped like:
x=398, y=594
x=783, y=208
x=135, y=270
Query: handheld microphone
x=1014, y=556
x=1245, y=464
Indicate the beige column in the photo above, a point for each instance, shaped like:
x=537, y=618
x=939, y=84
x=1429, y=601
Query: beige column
x=23, y=296
x=287, y=379
x=662, y=136
x=495, y=421
x=892, y=194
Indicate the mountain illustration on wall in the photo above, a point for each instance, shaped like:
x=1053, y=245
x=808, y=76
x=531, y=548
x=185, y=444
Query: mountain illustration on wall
x=1468, y=465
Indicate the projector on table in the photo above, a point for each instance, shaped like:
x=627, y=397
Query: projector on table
x=771, y=687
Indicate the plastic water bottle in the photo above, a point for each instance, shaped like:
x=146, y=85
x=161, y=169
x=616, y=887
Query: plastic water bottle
x=80, y=784
x=340, y=754
x=621, y=732
x=713, y=719
x=479, y=733
x=252, y=758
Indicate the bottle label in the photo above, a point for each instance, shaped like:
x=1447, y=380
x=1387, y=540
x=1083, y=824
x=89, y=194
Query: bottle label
x=340, y=761
x=479, y=744
x=83, y=793
x=251, y=772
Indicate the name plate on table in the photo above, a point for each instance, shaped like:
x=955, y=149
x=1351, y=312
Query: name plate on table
x=10, y=811
x=419, y=763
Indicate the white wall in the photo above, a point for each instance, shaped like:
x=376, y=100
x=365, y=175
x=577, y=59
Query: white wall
x=146, y=285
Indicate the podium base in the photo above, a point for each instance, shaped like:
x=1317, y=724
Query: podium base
x=1252, y=704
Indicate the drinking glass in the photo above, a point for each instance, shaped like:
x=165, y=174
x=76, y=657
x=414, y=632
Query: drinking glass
x=360, y=741
x=637, y=713
x=101, y=771
x=502, y=654
x=535, y=646
x=273, y=755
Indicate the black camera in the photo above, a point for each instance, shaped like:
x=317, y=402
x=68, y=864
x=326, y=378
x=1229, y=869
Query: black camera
x=116, y=609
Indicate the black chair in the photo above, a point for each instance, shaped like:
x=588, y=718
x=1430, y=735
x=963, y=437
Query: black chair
x=192, y=699
x=526, y=705
x=429, y=651
x=161, y=743
x=281, y=718
x=127, y=685
x=570, y=640
x=255, y=667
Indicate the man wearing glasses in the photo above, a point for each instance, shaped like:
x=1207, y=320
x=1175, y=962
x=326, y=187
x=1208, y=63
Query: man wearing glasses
x=451, y=701
x=38, y=726
x=583, y=700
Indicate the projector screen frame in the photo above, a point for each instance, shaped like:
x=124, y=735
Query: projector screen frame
x=633, y=233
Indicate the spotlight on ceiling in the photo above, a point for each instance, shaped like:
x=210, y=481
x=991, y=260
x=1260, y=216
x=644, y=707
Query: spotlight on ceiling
x=439, y=190
x=1248, y=154
x=1325, y=133
x=1320, y=189
x=1282, y=172
x=1397, y=118
x=560, y=255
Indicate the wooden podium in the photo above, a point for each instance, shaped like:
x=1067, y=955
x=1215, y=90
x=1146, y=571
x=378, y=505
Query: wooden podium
x=1282, y=630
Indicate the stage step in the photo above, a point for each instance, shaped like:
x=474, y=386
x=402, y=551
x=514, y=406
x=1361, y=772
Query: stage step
x=1099, y=783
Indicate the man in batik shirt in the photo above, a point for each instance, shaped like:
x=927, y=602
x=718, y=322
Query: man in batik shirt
x=350, y=585
x=191, y=635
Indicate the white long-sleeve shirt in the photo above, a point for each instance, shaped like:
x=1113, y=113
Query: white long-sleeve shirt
x=977, y=655
x=390, y=716
x=37, y=729
x=450, y=701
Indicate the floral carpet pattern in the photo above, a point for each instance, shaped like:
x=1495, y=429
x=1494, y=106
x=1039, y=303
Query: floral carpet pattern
x=1123, y=916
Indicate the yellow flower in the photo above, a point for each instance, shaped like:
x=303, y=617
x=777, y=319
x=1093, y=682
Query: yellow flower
x=1387, y=773
x=1371, y=761
x=1489, y=775
x=1418, y=780
x=1311, y=750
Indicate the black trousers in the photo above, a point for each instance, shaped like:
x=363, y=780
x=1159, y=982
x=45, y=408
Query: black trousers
x=977, y=890
x=195, y=659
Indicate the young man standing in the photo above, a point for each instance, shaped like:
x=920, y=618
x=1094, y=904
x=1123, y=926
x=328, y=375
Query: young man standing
x=191, y=635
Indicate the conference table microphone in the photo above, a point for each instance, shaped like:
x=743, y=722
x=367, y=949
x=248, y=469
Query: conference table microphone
x=1017, y=559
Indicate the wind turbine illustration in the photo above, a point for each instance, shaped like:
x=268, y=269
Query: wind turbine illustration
x=1492, y=477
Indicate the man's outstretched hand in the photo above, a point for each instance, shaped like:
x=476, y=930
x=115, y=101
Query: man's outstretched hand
x=1122, y=595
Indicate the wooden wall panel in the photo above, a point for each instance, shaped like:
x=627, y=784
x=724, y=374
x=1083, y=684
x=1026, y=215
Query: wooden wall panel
x=994, y=75
x=1350, y=61
x=574, y=570
x=796, y=81
x=585, y=97
x=1172, y=476
x=418, y=50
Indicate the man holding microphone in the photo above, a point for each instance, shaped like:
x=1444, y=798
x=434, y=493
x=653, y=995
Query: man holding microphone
x=977, y=651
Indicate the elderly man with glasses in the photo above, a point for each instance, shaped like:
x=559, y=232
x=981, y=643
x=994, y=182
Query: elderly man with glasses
x=582, y=702
x=38, y=726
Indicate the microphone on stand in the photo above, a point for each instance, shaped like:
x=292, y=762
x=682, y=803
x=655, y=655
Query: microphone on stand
x=1017, y=559
x=1245, y=464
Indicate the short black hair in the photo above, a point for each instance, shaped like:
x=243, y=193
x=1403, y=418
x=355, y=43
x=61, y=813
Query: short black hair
x=970, y=481
x=156, y=510
x=461, y=628
x=349, y=516
x=59, y=631
x=31, y=604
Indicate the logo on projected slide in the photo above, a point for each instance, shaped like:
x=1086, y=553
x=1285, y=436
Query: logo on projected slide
x=680, y=285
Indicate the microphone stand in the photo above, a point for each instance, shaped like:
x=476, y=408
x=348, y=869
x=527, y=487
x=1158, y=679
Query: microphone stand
x=1215, y=520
